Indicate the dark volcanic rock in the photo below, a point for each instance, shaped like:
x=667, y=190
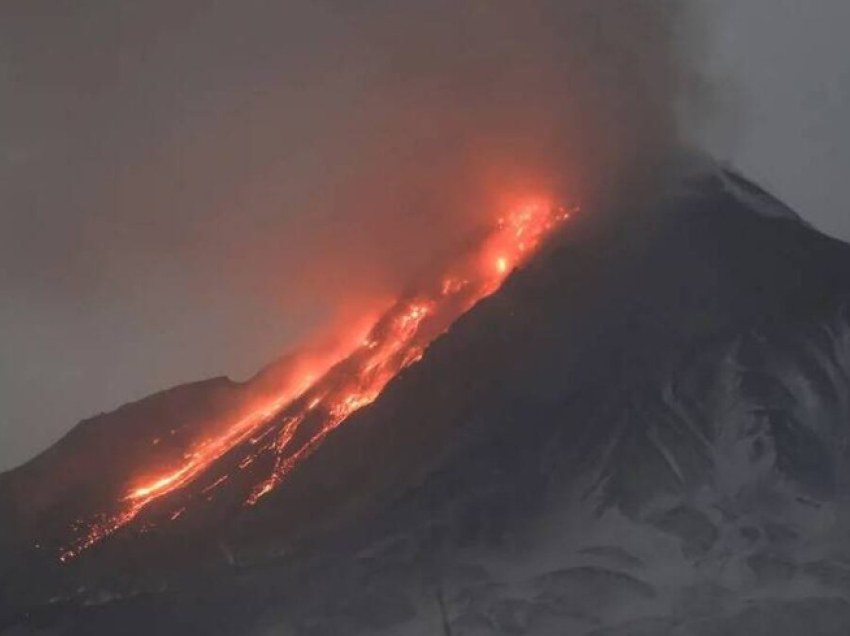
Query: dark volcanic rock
x=644, y=432
x=696, y=531
x=590, y=590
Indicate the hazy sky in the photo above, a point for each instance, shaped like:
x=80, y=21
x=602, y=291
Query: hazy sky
x=783, y=69
x=109, y=122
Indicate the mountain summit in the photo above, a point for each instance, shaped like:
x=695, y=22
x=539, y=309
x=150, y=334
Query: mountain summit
x=644, y=431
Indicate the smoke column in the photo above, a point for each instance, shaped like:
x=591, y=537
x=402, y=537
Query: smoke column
x=193, y=188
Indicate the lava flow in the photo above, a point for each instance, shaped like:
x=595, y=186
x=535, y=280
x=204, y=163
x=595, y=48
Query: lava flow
x=287, y=428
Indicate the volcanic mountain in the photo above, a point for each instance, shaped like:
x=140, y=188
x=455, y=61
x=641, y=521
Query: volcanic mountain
x=635, y=425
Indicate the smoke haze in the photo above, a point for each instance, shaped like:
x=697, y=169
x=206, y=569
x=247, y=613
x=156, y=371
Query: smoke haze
x=189, y=188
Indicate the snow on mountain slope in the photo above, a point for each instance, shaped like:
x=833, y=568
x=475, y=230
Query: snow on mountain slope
x=643, y=432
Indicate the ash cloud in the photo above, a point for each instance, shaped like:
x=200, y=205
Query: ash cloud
x=189, y=188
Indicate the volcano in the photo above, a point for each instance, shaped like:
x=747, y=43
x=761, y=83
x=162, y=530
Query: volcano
x=624, y=422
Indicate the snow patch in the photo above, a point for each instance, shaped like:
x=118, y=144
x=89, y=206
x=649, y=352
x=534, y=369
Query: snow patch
x=752, y=196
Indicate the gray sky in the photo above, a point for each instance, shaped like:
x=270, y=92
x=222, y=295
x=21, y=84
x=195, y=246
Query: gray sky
x=141, y=183
x=783, y=72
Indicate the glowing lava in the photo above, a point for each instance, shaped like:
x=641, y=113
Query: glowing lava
x=288, y=427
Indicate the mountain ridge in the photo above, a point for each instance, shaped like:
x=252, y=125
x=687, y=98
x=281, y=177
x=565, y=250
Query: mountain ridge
x=644, y=396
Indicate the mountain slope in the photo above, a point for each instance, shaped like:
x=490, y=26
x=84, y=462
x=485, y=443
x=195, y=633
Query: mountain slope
x=643, y=432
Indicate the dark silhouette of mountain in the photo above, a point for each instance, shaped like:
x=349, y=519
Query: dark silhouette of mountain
x=644, y=432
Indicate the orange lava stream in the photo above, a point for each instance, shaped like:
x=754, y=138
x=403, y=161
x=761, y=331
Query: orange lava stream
x=292, y=424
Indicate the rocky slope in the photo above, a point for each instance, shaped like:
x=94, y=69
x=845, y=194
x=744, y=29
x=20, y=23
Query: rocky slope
x=643, y=433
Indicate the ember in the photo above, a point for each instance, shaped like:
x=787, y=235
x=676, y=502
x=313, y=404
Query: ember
x=291, y=425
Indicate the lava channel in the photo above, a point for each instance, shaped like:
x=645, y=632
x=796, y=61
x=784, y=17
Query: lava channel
x=292, y=424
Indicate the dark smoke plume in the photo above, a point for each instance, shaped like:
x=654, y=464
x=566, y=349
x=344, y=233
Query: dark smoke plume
x=221, y=177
